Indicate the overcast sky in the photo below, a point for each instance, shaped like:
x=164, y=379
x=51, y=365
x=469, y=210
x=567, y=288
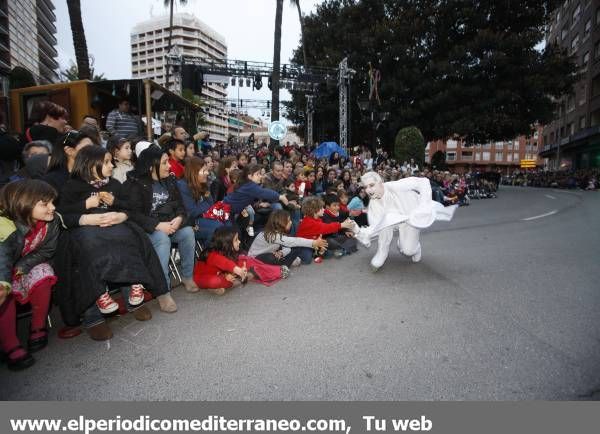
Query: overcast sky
x=247, y=26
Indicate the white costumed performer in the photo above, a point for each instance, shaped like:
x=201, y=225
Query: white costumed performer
x=405, y=204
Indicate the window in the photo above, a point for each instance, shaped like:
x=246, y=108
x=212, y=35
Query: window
x=509, y=157
x=477, y=156
x=596, y=86
x=516, y=145
x=575, y=43
x=582, y=122
x=516, y=156
x=485, y=156
x=571, y=103
x=499, y=156
x=450, y=156
x=588, y=28
x=576, y=14
x=467, y=155
x=586, y=60
x=451, y=144
x=499, y=145
x=583, y=95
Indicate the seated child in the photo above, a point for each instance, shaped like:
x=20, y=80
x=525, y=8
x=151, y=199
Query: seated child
x=176, y=151
x=275, y=246
x=221, y=266
x=313, y=227
x=344, y=239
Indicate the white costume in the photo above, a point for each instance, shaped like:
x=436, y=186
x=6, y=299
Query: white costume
x=406, y=205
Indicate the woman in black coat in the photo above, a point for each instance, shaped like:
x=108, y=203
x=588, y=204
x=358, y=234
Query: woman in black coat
x=112, y=250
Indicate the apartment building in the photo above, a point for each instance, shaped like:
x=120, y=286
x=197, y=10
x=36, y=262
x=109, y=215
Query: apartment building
x=503, y=156
x=191, y=37
x=572, y=140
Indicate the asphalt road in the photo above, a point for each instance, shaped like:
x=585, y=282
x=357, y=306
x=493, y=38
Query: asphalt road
x=500, y=308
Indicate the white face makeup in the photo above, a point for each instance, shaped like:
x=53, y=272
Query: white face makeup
x=374, y=189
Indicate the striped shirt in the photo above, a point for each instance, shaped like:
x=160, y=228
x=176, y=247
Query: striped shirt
x=123, y=125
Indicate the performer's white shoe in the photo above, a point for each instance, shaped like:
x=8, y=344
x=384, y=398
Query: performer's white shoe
x=378, y=260
x=417, y=256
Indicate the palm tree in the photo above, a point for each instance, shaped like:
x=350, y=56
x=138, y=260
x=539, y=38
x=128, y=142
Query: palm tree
x=170, y=4
x=79, y=43
x=276, y=62
x=297, y=4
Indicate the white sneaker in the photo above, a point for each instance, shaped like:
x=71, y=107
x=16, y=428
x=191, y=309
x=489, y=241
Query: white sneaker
x=297, y=262
x=250, y=230
x=417, y=256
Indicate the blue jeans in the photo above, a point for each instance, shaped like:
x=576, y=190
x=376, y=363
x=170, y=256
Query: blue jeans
x=206, y=228
x=185, y=240
x=296, y=215
x=92, y=316
x=304, y=253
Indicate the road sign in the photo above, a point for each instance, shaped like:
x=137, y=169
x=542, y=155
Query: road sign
x=528, y=164
x=277, y=130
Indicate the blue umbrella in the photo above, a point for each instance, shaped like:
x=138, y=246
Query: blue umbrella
x=325, y=149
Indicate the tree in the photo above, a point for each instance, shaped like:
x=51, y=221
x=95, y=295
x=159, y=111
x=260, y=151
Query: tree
x=296, y=3
x=276, y=62
x=79, y=42
x=438, y=161
x=469, y=68
x=72, y=73
x=170, y=4
x=409, y=144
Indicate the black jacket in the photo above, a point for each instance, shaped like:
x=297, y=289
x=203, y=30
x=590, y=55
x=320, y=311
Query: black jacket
x=139, y=197
x=76, y=191
x=12, y=239
x=218, y=190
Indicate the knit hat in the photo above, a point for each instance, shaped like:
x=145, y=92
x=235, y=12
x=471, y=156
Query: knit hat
x=141, y=146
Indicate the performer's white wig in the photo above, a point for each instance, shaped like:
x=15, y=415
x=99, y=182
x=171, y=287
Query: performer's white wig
x=371, y=176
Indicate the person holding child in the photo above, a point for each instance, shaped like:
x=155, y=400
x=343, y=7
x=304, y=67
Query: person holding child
x=104, y=249
x=28, y=238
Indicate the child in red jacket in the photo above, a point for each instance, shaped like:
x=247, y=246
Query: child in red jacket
x=221, y=266
x=312, y=226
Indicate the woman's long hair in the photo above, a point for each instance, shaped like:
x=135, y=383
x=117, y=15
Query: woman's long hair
x=222, y=243
x=276, y=225
x=225, y=163
x=88, y=163
x=149, y=162
x=58, y=158
x=191, y=175
x=17, y=199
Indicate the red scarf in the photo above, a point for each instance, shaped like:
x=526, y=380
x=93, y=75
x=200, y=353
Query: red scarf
x=34, y=237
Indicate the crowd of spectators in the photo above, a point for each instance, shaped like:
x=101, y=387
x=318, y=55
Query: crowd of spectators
x=583, y=179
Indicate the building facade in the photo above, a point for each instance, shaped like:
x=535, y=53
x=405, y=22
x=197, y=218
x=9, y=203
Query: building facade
x=28, y=40
x=572, y=140
x=191, y=37
x=503, y=156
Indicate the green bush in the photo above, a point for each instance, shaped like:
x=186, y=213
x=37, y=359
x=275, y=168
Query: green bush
x=410, y=143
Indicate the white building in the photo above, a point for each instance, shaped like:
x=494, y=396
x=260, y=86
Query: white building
x=191, y=37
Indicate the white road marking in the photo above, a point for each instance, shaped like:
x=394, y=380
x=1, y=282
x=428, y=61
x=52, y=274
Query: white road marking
x=549, y=196
x=554, y=211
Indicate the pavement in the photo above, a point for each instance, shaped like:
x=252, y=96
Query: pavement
x=504, y=306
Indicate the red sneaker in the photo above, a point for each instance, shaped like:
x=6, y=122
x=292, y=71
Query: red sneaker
x=106, y=304
x=136, y=295
x=318, y=260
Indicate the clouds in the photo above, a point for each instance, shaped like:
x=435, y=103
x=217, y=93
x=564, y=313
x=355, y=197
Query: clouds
x=247, y=26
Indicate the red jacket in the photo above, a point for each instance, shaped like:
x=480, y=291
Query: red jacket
x=215, y=264
x=176, y=168
x=311, y=227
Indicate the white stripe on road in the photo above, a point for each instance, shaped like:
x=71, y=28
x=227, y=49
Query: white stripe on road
x=554, y=211
x=549, y=196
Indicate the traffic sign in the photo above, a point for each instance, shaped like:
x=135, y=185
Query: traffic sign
x=277, y=130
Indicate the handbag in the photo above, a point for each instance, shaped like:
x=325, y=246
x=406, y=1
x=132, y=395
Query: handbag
x=220, y=211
